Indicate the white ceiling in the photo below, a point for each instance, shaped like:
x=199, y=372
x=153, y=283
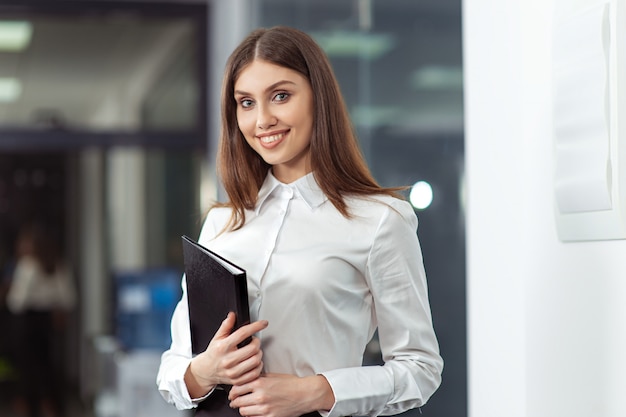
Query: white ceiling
x=75, y=67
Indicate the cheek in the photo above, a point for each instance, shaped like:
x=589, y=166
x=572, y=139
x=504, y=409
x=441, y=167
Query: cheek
x=244, y=120
x=249, y=140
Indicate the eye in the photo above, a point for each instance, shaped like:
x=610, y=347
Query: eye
x=245, y=103
x=281, y=96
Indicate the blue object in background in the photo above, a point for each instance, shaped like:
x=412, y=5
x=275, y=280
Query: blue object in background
x=144, y=303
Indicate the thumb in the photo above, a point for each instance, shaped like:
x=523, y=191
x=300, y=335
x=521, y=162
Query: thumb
x=226, y=327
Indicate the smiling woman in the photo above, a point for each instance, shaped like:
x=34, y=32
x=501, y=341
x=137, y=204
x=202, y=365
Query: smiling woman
x=304, y=212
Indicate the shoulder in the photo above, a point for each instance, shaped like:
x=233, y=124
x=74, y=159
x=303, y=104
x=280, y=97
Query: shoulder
x=215, y=220
x=26, y=264
x=26, y=273
x=383, y=208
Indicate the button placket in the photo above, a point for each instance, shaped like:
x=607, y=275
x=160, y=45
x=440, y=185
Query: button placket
x=282, y=208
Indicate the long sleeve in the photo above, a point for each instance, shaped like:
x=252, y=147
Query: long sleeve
x=175, y=361
x=413, y=366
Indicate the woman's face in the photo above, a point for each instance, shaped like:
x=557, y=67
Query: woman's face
x=275, y=115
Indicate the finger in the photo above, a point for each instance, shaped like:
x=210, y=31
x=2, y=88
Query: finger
x=249, y=412
x=226, y=327
x=253, y=370
x=248, y=330
x=249, y=405
x=244, y=360
x=243, y=396
x=238, y=390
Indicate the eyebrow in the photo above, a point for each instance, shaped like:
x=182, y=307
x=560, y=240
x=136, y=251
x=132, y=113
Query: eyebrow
x=270, y=88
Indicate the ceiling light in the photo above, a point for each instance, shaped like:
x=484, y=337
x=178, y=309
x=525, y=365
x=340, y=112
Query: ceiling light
x=10, y=89
x=15, y=35
x=437, y=78
x=354, y=44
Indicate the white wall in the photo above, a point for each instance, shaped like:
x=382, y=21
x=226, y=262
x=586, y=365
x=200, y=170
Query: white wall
x=546, y=319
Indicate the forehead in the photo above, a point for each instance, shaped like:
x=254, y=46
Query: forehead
x=260, y=74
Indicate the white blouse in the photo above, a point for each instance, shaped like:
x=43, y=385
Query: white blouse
x=325, y=283
x=34, y=289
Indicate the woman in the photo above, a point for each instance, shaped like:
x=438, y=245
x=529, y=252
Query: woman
x=330, y=255
x=40, y=295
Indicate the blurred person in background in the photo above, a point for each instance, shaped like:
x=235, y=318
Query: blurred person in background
x=40, y=295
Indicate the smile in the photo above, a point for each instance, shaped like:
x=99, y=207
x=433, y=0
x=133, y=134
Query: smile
x=272, y=138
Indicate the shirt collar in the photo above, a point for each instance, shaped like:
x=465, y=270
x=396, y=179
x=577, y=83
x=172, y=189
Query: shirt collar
x=306, y=186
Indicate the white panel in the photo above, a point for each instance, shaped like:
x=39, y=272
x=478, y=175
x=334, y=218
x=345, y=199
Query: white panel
x=581, y=112
x=588, y=68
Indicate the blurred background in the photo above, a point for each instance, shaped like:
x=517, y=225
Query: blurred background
x=108, y=129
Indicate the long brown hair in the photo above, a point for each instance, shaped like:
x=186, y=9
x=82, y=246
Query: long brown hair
x=336, y=160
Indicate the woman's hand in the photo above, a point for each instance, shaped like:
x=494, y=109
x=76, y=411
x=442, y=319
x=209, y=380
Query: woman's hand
x=280, y=395
x=222, y=362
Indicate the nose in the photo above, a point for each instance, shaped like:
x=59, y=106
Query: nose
x=265, y=118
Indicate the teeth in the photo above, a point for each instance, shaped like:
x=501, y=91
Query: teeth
x=273, y=138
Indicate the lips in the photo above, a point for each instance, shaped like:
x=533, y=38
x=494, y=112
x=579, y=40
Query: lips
x=272, y=139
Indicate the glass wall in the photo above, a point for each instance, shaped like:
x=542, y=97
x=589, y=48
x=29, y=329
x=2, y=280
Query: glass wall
x=103, y=126
x=399, y=64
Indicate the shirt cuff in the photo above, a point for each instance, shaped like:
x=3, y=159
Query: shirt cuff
x=358, y=391
x=197, y=401
x=172, y=387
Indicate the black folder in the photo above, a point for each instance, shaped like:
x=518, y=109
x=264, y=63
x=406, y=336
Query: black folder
x=215, y=287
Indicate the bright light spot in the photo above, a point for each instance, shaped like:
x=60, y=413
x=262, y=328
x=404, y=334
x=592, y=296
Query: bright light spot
x=10, y=89
x=421, y=195
x=15, y=35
